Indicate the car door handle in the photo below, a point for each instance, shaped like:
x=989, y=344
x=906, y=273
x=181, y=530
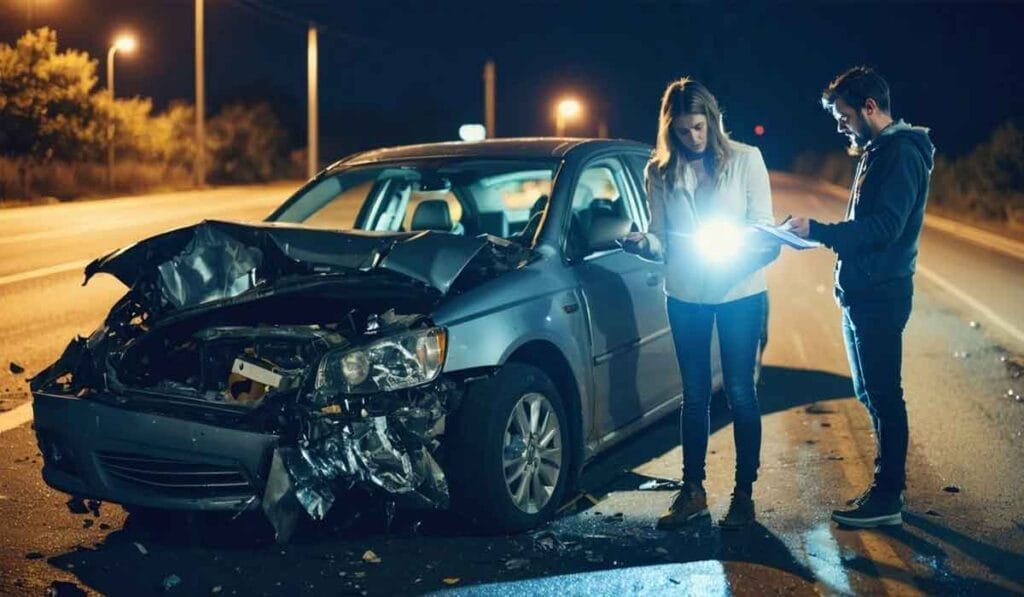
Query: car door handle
x=653, y=278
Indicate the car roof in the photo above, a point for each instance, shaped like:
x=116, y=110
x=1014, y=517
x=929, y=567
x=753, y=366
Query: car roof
x=513, y=148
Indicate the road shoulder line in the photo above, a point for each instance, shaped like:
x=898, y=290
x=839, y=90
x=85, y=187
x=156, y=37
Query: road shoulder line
x=18, y=415
x=972, y=234
x=44, y=271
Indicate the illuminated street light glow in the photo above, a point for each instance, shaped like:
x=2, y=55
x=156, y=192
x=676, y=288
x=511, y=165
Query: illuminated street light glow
x=125, y=43
x=472, y=132
x=568, y=109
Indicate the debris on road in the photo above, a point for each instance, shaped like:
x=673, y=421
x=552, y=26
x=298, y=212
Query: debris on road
x=951, y=489
x=216, y=590
x=974, y=324
x=370, y=557
x=517, y=564
x=1014, y=365
x=581, y=496
x=76, y=505
x=835, y=457
x=451, y=580
x=660, y=484
x=16, y=368
x=961, y=354
x=170, y=582
x=816, y=408
x=142, y=548
x=59, y=588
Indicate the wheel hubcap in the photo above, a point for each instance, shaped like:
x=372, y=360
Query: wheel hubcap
x=532, y=452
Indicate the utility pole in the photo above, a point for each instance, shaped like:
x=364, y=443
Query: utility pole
x=312, y=115
x=200, y=164
x=489, y=99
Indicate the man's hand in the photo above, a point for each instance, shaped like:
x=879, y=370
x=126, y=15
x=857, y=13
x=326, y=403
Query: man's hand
x=799, y=226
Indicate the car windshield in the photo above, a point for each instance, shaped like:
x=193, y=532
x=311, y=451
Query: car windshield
x=464, y=196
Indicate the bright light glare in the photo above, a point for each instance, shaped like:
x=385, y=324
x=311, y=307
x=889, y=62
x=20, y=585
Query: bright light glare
x=125, y=43
x=719, y=241
x=569, y=108
x=472, y=132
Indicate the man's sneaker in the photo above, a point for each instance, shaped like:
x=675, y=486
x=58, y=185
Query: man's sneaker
x=880, y=508
x=689, y=503
x=741, y=512
x=860, y=499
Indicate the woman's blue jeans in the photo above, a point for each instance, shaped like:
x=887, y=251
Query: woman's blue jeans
x=739, y=325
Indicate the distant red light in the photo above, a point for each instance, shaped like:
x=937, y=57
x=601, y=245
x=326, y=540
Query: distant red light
x=759, y=130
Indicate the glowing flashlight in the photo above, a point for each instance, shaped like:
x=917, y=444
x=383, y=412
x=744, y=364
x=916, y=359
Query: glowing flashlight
x=719, y=241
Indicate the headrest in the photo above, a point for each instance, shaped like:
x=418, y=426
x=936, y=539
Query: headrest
x=432, y=214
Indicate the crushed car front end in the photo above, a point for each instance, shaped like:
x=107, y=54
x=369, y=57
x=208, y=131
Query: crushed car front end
x=264, y=366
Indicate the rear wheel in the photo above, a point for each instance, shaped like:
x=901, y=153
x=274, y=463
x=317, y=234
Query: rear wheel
x=509, y=466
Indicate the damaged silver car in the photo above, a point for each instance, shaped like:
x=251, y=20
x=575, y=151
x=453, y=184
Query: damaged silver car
x=447, y=326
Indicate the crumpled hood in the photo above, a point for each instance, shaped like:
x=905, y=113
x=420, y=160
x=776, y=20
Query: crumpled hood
x=217, y=259
x=918, y=135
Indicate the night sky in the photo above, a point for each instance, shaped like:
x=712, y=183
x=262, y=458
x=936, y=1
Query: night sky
x=404, y=72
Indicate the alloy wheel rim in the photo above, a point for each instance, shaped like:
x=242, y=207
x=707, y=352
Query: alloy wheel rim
x=532, y=452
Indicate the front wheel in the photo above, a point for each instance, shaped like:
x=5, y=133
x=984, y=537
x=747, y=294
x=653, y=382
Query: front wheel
x=509, y=466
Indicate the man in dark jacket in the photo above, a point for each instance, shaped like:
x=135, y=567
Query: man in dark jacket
x=876, y=248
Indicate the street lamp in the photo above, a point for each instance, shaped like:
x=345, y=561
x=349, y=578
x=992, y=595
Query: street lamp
x=124, y=43
x=567, y=110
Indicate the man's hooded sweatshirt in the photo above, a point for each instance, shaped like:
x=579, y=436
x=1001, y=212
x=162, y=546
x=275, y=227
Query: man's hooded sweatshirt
x=877, y=244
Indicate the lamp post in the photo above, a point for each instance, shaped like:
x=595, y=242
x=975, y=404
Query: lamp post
x=200, y=163
x=124, y=43
x=568, y=109
x=312, y=113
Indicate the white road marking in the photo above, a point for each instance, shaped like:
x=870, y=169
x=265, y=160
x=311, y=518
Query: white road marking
x=44, y=271
x=798, y=343
x=985, y=312
x=824, y=560
x=16, y=416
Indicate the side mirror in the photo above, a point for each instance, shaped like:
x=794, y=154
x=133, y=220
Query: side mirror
x=605, y=230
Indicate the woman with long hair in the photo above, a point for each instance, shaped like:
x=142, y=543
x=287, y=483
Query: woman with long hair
x=705, y=192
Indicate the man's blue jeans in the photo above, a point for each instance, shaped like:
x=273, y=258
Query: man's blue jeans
x=873, y=332
x=740, y=324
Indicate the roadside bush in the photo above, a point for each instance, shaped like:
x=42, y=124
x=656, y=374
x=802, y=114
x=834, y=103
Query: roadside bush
x=986, y=184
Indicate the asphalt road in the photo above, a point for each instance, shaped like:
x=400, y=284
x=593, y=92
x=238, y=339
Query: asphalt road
x=967, y=434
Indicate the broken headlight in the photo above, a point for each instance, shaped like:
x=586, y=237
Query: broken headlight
x=392, y=363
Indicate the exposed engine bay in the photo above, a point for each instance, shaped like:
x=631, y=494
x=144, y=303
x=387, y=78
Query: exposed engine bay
x=320, y=338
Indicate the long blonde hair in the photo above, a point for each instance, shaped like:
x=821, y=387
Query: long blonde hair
x=686, y=96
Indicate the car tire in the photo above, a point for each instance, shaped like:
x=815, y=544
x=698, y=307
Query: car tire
x=509, y=450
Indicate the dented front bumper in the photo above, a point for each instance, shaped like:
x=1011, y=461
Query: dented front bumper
x=95, y=450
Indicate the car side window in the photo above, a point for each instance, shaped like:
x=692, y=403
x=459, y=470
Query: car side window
x=637, y=164
x=602, y=199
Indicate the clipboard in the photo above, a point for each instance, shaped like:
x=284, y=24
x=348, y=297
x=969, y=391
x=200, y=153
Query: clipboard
x=783, y=234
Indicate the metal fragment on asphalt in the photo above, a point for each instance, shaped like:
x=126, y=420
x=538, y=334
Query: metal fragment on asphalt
x=170, y=582
x=142, y=548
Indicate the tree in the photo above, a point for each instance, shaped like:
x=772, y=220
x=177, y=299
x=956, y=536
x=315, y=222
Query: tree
x=247, y=143
x=46, y=105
